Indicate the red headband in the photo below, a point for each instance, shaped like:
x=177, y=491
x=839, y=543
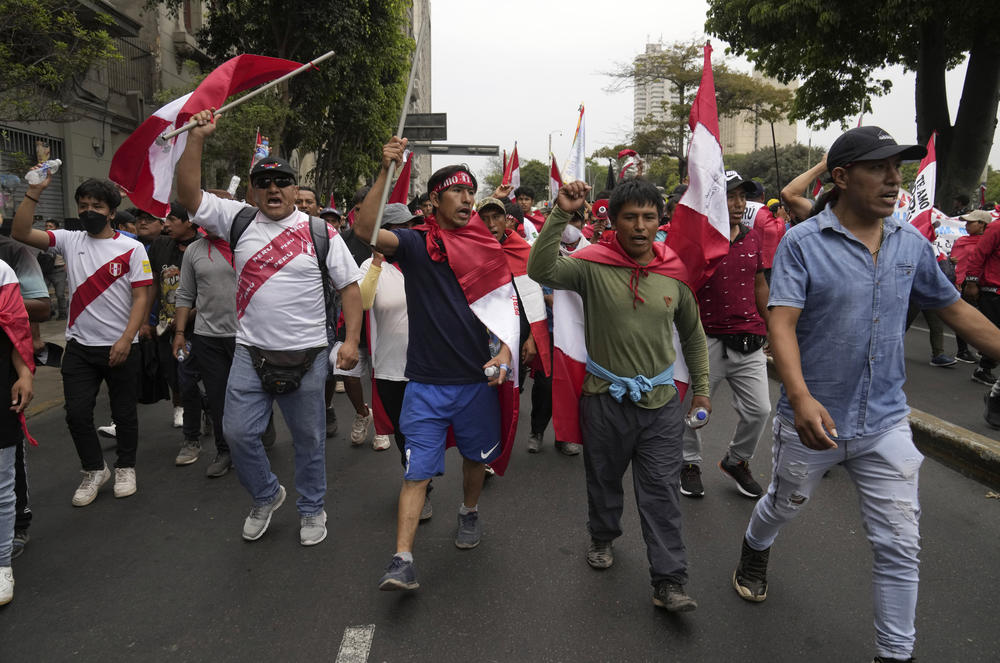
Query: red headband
x=461, y=177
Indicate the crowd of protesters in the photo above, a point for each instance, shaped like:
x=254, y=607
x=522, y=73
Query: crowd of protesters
x=227, y=307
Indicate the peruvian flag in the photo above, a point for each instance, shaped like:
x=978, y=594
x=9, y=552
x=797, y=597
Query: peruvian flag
x=555, y=179
x=401, y=191
x=512, y=172
x=922, y=200
x=576, y=166
x=144, y=168
x=817, y=188
x=14, y=322
x=517, y=251
x=699, y=228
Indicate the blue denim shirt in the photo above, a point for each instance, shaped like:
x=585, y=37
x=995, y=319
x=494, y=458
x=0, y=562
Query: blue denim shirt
x=850, y=331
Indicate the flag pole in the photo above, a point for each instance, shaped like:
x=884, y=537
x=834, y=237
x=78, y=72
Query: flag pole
x=399, y=132
x=160, y=140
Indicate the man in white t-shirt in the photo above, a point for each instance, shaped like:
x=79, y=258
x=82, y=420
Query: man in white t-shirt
x=110, y=291
x=280, y=316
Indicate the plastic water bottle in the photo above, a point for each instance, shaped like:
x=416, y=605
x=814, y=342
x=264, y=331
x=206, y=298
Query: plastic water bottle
x=493, y=371
x=183, y=353
x=697, y=418
x=37, y=176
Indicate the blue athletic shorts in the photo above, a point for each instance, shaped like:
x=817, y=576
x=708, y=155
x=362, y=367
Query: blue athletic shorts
x=471, y=410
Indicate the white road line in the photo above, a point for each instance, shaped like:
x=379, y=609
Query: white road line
x=356, y=644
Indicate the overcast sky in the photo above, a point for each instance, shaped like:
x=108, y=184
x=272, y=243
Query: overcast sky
x=518, y=70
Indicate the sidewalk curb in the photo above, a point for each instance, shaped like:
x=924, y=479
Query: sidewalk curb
x=974, y=455
x=38, y=408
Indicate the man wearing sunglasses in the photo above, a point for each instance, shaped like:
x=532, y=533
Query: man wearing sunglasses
x=281, y=321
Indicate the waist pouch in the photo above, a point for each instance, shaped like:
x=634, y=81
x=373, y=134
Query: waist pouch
x=281, y=371
x=742, y=343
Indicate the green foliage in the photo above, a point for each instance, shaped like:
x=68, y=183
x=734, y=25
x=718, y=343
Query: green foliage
x=992, y=186
x=534, y=174
x=759, y=165
x=681, y=65
x=345, y=111
x=45, y=46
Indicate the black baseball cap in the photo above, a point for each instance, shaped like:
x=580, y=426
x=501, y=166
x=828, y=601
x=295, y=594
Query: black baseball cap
x=869, y=144
x=273, y=166
x=734, y=181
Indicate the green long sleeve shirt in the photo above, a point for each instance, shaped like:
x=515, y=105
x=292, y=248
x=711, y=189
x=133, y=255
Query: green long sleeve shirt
x=626, y=340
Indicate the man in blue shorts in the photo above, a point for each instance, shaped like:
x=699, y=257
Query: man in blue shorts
x=449, y=349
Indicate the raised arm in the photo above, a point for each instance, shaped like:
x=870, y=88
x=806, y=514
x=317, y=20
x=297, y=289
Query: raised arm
x=364, y=222
x=793, y=195
x=189, y=165
x=545, y=265
x=21, y=229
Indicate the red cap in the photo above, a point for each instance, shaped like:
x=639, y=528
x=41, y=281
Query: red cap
x=600, y=209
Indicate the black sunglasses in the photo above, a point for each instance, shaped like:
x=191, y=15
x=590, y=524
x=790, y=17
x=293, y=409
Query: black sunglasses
x=281, y=181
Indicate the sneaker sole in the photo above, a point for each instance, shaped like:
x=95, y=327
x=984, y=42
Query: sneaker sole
x=130, y=493
x=746, y=594
x=688, y=493
x=216, y=474
x=967, y=361
x=743, y=491
x=180, y=462
x=267, y=523
x=107, y=435
x=982, y=381
x=313, y=542
x=942, y=365
x=393, y=585
x=689, y=606
x=465, y=546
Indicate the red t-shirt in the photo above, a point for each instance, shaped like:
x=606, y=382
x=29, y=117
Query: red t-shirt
x=728, y=301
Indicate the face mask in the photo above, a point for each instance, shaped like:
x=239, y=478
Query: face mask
x=93, y=222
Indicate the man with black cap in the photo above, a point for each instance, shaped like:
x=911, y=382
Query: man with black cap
x=733, y=310
x=839, y=293
x=281, y=329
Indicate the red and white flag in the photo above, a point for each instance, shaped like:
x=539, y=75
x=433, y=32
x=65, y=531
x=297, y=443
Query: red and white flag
x=401, y=190
x=576, y=165
x=555, y=179
x=14, y=322
x=512, y=172
x=144, y=168
x=922, y=198
x=699, y=228
x=817, y=188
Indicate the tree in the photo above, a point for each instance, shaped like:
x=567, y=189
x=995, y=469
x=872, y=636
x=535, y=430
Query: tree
x=45, y=47
x=681, y=66
x=837, y=49
x=534, y=175
x=345, y=111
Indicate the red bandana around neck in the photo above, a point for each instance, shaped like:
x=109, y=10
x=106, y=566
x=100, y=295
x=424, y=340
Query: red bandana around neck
x=610, y=252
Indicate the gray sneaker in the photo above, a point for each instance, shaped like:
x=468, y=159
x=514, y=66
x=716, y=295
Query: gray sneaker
x=312, y=529
x=218, y=467
x=535, y=443
x=260, y=516
x=600, y=554
x=569, y=448
x=470, y=531
x=189, y=453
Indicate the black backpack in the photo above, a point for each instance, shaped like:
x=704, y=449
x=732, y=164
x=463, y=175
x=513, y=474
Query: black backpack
x=320, y=239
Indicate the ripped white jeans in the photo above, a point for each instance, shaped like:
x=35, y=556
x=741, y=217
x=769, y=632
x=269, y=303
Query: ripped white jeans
x=884, y=468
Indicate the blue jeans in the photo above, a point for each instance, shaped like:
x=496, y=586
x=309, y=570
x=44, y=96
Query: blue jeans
x=884, y=468
x=6, y=503
x=247, y=409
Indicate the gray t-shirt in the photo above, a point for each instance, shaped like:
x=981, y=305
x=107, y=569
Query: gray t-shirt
x=24, y=261
x=208, y=283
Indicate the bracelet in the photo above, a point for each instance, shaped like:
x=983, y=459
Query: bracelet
x=30, y=198
x=505, y=367
x=178, y=333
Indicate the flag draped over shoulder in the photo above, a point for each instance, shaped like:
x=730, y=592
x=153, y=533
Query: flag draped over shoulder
x=922, y=198
x=517, y=251
x=699, y=228
x=569, y=360
x=144, y=168
x=481, y=268
x=14, y=322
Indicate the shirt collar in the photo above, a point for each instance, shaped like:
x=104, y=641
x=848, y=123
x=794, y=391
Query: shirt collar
x=827, y=219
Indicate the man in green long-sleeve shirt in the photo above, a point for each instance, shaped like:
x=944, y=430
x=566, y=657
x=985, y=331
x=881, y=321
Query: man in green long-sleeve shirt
x=633, y=298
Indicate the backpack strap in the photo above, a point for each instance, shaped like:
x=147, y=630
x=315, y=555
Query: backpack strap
x=321, y=242
x=241, y=222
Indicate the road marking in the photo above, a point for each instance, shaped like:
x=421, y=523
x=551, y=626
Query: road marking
x=356, y=644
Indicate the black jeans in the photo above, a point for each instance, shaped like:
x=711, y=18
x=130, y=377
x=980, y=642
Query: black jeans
x=541, y=402
x=22, y=501
x=83, y=369
x=213, y=357
x=390, y=392
x=188, y=376
x=989, y=305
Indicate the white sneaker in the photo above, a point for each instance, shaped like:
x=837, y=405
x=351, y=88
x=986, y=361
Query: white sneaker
x=124, y=481
x=178, y=416
x=339, y=388
x=108, y=431
x=359, y=431
x=92, y=482
x=381, y=443
x=6, y=585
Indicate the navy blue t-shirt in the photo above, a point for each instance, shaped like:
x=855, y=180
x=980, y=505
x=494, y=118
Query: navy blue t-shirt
x=448, y=344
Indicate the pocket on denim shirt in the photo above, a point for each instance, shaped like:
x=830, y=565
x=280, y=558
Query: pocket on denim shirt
x=903, y=278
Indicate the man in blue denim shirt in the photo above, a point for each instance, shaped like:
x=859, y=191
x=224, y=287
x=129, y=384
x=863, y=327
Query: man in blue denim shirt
x=839, y=293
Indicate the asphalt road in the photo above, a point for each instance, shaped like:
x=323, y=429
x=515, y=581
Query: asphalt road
x=165, y=576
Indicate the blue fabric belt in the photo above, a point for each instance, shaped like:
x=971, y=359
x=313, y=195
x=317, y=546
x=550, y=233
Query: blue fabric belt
x=635, y=387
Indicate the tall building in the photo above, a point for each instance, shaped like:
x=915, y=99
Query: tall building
x=107, y=103
x=739, y=134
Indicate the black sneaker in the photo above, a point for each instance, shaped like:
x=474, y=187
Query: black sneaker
x=600, y=554
x=400, y=574
x=672, y=597
x=750, y=576
x=740, y=472
x=992, y=413
x=984, y=376
x=883, y=659
x=691, y=485
x=535, y=443
x=966, y=357
x=21, y=539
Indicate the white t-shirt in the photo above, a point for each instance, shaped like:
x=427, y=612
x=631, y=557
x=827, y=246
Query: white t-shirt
x=390, y=327
x=279, y=294
x=101, y=274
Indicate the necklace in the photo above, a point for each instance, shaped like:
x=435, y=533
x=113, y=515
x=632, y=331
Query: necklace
x=881, y=236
